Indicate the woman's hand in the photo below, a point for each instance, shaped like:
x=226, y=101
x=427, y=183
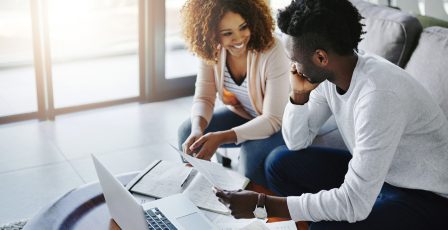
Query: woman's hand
x=198, y=125
x=194, y=136
x=206, y=145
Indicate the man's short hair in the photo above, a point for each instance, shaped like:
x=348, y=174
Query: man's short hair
x=322, y=24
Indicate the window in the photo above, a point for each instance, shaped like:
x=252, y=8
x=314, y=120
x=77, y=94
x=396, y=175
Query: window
x=60, y=56
x=94, y=50
x=17, y=81
x=179, y=61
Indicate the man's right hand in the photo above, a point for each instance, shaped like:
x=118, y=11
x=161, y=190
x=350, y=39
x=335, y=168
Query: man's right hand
x=301, y=87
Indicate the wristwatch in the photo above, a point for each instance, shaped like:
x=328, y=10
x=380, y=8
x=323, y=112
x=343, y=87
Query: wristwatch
x=260, y=210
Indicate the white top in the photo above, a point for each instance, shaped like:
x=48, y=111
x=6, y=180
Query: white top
x=240, y=92
x=391, y=125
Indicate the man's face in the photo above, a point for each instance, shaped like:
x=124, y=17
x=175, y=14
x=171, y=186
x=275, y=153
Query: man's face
x=303, y=62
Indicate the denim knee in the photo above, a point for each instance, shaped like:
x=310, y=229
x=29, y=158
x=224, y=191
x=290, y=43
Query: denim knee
x=275, y=158
x=273, y=167
x=183, y=132
x=251, y=162
x=253, y=155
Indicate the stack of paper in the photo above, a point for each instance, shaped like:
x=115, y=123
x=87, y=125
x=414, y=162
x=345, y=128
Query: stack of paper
x=252, y=224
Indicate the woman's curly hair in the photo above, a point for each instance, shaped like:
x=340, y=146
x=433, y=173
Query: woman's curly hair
x=201, y=18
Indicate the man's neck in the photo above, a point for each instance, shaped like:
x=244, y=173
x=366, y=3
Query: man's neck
x=344, y=68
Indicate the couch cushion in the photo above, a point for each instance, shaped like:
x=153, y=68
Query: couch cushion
x=429, y=64
x=390, y=33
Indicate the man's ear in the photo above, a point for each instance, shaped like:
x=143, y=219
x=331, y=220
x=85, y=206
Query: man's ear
x=320, y=58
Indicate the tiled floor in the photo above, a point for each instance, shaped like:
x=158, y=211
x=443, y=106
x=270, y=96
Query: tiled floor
x=40, y=161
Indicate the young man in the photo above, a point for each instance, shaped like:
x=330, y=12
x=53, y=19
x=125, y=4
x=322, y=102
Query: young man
x=395, y=172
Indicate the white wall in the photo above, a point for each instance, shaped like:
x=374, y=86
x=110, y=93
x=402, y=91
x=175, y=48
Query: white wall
x=433, y=8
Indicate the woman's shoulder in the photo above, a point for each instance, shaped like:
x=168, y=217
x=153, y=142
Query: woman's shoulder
x=274, y=56
x=275, y=49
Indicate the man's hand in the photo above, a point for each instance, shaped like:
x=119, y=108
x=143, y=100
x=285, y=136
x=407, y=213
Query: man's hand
x=299, y=82
x=241, y=202
x=301, y=87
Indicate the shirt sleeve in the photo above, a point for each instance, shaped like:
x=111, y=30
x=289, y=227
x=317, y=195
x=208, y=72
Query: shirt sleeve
x=379, y=122
x=205, y=92
x=301, y=123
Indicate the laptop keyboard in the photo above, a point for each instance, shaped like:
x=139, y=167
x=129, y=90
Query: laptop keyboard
x=157, y=221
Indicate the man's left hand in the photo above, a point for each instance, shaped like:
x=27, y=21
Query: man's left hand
x=241, y=202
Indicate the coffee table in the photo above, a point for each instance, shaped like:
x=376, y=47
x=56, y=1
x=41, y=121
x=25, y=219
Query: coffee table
x=85, y=208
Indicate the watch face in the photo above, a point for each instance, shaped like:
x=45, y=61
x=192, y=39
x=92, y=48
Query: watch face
x=260, y=213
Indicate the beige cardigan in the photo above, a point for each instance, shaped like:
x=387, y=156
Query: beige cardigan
x=268, y=85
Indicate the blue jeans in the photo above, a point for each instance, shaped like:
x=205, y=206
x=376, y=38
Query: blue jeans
x=291, y=173
x=252, y=152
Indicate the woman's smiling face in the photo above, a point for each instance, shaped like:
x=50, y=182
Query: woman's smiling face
x=234, y=34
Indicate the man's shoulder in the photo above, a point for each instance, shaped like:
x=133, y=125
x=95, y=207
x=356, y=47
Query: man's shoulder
x=371, y=60
x=377, y=69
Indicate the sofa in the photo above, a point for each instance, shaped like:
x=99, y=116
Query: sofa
x=400, y=38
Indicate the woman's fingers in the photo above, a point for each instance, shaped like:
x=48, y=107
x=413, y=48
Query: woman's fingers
x=198, y=143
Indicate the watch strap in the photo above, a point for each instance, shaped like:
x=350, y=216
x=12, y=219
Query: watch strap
x=261, y=200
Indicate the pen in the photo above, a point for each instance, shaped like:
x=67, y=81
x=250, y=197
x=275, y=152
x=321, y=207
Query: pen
x=186, y=179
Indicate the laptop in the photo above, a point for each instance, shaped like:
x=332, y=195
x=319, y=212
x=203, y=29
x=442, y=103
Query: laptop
x=173, y=212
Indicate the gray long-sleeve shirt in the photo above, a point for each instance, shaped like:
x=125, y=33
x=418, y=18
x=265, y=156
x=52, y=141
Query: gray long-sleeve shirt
x=393, y=128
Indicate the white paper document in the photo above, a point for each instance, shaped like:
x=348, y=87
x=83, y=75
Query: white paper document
x=164, y=179
x=200, y=193
x=217, y=175
x=282, y=225
x=252, y=224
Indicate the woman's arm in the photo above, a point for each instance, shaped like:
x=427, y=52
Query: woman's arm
x=274, y=71
x=205, y=93
x=203, y=104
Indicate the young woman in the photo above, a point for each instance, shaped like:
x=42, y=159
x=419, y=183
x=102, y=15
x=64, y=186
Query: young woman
x=247, y=68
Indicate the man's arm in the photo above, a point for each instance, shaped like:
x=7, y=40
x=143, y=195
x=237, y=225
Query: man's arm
x=301, y=123
x=277, y=207
x=378, y=123
x=305, y=113
x=242, y=203
x=299, y=97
